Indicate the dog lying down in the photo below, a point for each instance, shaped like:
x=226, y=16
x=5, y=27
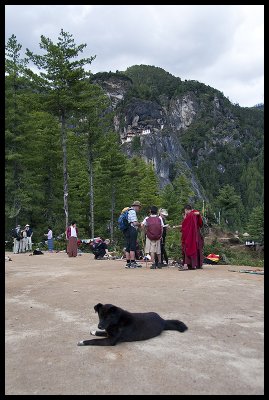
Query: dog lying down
x=123, y=326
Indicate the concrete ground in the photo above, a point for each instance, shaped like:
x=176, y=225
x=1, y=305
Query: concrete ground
x=49, y=308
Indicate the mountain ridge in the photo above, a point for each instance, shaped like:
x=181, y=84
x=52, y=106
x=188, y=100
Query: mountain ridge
x=185, y=127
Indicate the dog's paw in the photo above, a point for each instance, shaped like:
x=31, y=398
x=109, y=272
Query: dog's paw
x=93, y=333
x=81, y=343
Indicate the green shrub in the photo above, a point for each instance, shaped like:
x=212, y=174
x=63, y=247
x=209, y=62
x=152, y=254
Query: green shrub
x=236, y=255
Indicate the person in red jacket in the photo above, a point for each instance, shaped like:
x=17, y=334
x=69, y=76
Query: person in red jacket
x=72, y=237
x=191, y=239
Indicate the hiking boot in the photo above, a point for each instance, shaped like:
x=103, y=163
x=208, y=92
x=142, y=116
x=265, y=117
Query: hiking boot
x=127, y=265
x=138, y=265
x=135, y=265
x=182, y=268
x=153, y=266
x=159, y=265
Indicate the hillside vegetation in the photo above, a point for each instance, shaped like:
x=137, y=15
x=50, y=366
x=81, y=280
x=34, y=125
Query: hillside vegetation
x=65, y=161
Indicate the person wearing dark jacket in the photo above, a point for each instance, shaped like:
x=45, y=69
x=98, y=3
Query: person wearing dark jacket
x=16, y=239
x=29, y=233
x=100, y=248
x=163, y=214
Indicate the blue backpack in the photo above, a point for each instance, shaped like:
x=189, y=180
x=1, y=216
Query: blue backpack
x=123, y=223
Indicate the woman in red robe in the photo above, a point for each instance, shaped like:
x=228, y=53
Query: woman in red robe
x=191, y=240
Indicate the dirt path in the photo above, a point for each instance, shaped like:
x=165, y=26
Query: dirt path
x=49, y=308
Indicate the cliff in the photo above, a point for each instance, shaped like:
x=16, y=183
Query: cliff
x=183, y=127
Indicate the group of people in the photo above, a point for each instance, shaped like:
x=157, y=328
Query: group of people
x=155, y=228
x=99, y=246
x=22, y=239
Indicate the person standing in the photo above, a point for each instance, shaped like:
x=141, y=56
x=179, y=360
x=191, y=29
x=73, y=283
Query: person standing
x=163, y=214
x=23, y=241
x=153, y=225
x=72, y=237
x=29, y=233
x=16, y=234
x=130, y=235
x=191, y=239
x=50, y=239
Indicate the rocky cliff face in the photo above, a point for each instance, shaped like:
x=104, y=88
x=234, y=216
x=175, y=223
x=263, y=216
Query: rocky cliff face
x=153, y=130
x=115, y=89
x=176, y=133
x=181, y=112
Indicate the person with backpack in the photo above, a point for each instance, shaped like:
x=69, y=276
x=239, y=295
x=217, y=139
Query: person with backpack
x=164, y=257
x=153, y=225
x=128, y=224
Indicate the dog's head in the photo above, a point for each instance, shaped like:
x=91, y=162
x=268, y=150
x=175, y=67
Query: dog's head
x=108, y=315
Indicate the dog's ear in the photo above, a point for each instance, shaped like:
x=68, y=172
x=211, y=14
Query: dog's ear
x=113, y=309
x=97, y=307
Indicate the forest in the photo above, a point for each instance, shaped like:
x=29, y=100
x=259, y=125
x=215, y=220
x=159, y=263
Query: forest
x=64, y=161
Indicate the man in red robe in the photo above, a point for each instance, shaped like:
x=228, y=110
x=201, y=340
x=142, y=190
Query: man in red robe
x=191, y=240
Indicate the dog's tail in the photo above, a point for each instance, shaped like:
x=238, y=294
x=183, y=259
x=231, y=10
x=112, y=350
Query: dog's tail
x=175, y=325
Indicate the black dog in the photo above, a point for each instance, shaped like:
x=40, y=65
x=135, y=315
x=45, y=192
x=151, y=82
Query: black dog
x=122, y=326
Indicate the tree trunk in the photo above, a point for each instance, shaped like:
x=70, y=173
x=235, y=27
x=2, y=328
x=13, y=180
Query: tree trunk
x=91, y=193
x=112, y=214
x=17, y=204
x=65, y=174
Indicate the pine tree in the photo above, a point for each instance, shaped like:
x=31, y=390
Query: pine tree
x=255, y=226
x=112, y=167
x=14, y=110
x=92, y=121
x=175, y=196
x=228, y=203
x=62, y=81
x=142, y=183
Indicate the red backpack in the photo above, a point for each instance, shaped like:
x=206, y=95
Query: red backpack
x=154, y=228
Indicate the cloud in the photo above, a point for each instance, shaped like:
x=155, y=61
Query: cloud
x=220, y=45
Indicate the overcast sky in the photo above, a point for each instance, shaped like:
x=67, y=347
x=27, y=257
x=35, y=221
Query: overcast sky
x=219, y=45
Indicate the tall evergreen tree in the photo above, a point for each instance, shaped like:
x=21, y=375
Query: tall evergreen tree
x=252, y=182
x=113, y=166
x=93, y=121
x=229, y=204
x=14, y=111
x=41, y=177
x=255, y=226
x=62, y=81
x=142, y=183
x=175, y=196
